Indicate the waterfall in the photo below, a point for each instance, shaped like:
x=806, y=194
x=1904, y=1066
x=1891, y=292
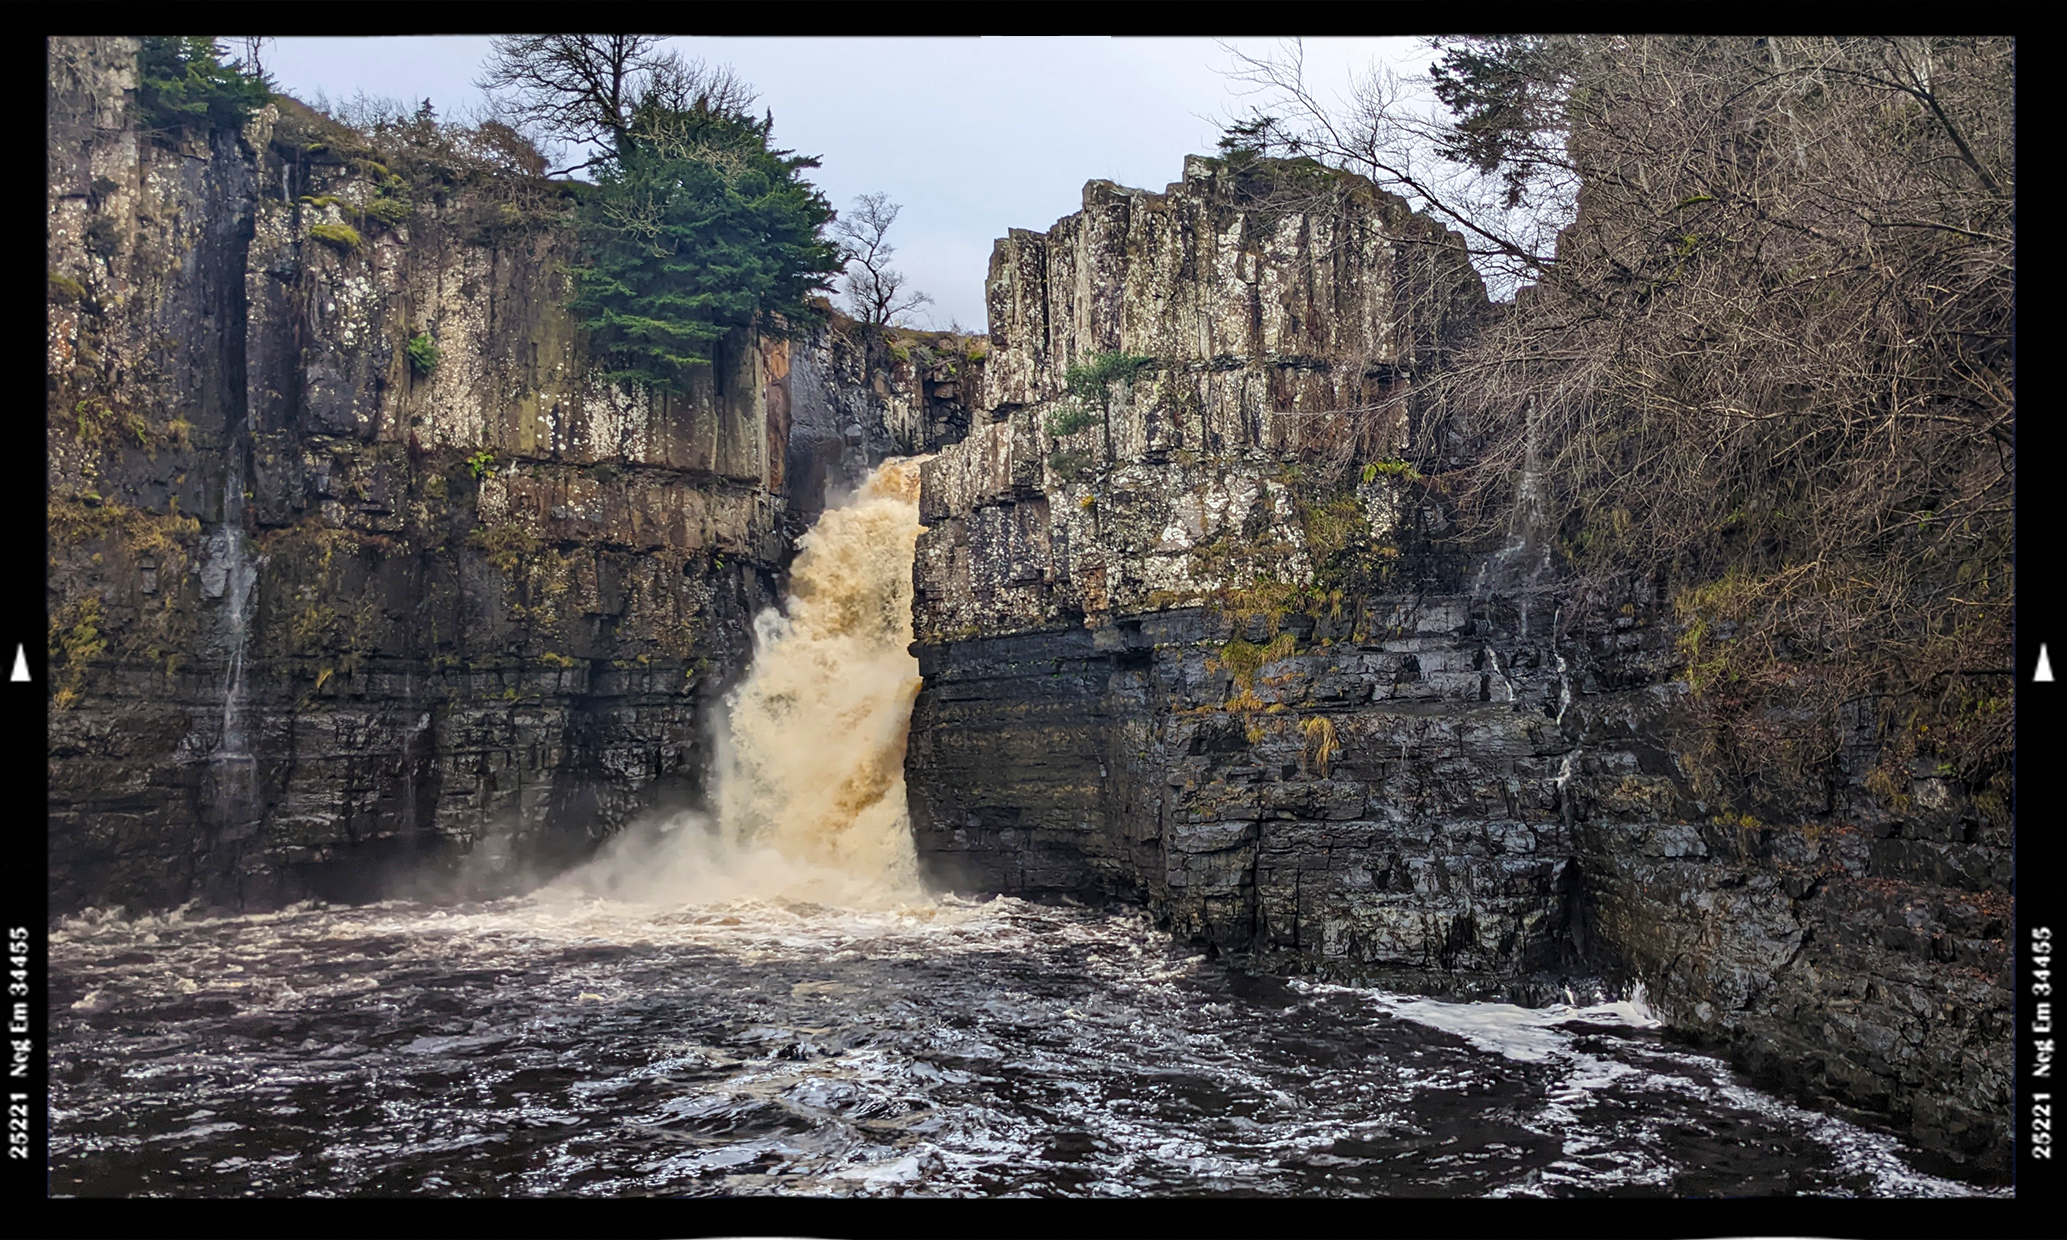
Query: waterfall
x=808, y=784
x=230, y=572
x=1523, y=561
x=1493, y=660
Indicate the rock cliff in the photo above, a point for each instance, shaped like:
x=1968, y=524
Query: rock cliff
x=358, y=571
x=1187, y=640
x=324, y=614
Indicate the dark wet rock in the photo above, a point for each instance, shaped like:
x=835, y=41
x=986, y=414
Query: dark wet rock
x=324, y=622
x=1442, y=779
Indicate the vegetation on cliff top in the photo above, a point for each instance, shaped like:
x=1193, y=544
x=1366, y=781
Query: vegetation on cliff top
x=183, y=80
x=1760, y=367
x=696, y=225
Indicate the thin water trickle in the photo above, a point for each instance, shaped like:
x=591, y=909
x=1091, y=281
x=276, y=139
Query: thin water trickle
x=230, y=572
x=239, y=577
x=763, y=1001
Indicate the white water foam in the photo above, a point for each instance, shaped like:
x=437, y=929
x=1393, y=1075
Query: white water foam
x=1591, y=1157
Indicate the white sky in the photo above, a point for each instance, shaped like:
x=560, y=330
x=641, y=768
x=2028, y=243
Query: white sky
x=973, y=136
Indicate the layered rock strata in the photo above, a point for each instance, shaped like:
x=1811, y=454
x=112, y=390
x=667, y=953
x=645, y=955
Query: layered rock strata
x=1187, y=642
x=326, y=615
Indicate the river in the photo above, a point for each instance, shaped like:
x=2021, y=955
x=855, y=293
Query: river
x=764, y=1000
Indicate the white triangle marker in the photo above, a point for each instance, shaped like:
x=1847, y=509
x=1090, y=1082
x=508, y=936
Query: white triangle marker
x=2044, y=672
x=21, y=662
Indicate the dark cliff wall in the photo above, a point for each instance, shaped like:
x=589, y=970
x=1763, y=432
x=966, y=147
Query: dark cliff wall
x=1217, y=671
x=322, y=621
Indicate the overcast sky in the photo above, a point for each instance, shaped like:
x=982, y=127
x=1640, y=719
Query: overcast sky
x=973, y=136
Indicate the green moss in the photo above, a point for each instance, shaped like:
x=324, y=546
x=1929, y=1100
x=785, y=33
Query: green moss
x=1089, y=379
x=1243, y=659
x=1332, y=527
x=1404, y=471
x=310, y=625
x=390, y=210
x=1269, y=598
x=66, y=289
x=76, y=519
x=506, y=546
x=75, y=641
x=1069, y=418
x=343, y=237
x=97, y=423
x=306, y=574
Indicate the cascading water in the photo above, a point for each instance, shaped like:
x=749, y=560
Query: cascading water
x=762, y=1000
x=809, y=781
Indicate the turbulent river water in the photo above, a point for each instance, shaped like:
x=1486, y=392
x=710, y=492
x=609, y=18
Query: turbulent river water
x=763, y=1000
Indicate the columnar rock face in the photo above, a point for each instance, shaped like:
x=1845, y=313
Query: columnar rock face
x=1271, y=337
x=1187, y=641
x=324, y=616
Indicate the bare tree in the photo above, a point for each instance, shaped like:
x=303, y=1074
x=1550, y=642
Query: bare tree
x=678, y=85
x=586, y=89
x=876, y=293
x=254, y=46
x=1397, y=133
x=1762, y=371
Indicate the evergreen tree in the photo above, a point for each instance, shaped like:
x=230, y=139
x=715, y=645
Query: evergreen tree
x=182, y=80
x=696, y=226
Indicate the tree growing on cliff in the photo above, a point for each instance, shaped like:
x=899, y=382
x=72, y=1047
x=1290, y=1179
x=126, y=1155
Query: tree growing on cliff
x=876, y=293
x=1761, y=368
x=696, y=226
x=587, y=89
x=183, y=80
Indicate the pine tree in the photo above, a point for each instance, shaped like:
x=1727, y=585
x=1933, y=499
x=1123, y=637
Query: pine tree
x=696, y=226
x=182, y=80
